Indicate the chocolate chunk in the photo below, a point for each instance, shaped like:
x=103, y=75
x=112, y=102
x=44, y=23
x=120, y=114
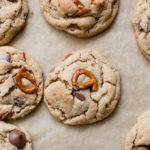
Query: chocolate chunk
x=78, y=95
x=5, y=115
x=8, y=57
x=14, y=79
x=24, y=56
x=12, y=0
x=18, y=101
x=4, y=79
x=72, y=27
x=140, y=27
x=148, y=26
x=142, y=148
x=17, y=138
x=115, y=1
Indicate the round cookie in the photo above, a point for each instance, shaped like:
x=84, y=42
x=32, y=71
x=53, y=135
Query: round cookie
x=83, y=89
x=21, y=84
x=13, y=14
x=141, y=25
x=139, y=136
x=80, y=18
x=14, y=138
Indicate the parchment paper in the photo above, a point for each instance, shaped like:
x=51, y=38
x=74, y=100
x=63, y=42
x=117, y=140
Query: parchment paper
x=48, y=45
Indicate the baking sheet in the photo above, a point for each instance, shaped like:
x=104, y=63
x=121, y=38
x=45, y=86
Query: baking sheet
x=47, y=46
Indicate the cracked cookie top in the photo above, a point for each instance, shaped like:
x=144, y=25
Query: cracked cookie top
x=83, y=18
x=139, y=136
x=13, y=14
x=14, y=138
x=141, y=25
x=83, y=89
x=21, y=83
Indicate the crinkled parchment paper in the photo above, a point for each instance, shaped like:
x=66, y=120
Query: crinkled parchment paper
x=47, y=46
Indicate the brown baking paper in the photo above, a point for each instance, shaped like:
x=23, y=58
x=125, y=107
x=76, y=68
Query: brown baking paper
x=48, y=45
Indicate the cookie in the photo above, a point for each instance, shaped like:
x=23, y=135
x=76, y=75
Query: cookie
x=83, y=89
x=141, y=25
x=139, y=136
x=14, y=138
x=21, y=84
x=13, y=14
x=80, y=18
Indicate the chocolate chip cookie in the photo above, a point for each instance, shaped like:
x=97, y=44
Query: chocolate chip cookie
x=83, y=89
x=14, y=138
x=80, y=18
x=21, y=84
x=13, y=14
x=139, y=136
x=141, y=25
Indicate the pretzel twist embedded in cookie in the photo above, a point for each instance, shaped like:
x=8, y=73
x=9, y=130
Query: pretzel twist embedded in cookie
x=23, y=74
x=82, y=8
x=92, y=82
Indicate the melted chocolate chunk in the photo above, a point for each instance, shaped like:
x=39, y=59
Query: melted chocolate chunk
x=142, y=148
x=24, y=56
x=140, y=27
x=148, y=26
x=8, y=57
x=4, y=79
x=73, y=27
x=18, y=101
x=5, y=115
x=78, y=95
x=12, y=1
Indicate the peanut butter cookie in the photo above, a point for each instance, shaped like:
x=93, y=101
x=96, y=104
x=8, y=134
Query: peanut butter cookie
x=79, y=17
x=14, y=138
x=141, y=25
x=21, y=84
x=83, y=89
x=13, y=14
x=139, y=136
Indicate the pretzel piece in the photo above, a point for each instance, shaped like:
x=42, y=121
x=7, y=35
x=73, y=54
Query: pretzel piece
x=91, y=83
x=67, y=55
x=97, y=2
x=82, y=9
x=23, y=74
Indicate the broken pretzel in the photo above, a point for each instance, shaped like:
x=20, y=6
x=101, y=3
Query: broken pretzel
x=23, y=74
x=82, y=8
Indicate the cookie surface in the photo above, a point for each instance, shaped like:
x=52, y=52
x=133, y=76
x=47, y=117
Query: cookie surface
x=81, y=18
x=14, y=138
x=13, y=14
x=139, y=136
x=141, y=25
x=21, y=83
x=83, y=89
